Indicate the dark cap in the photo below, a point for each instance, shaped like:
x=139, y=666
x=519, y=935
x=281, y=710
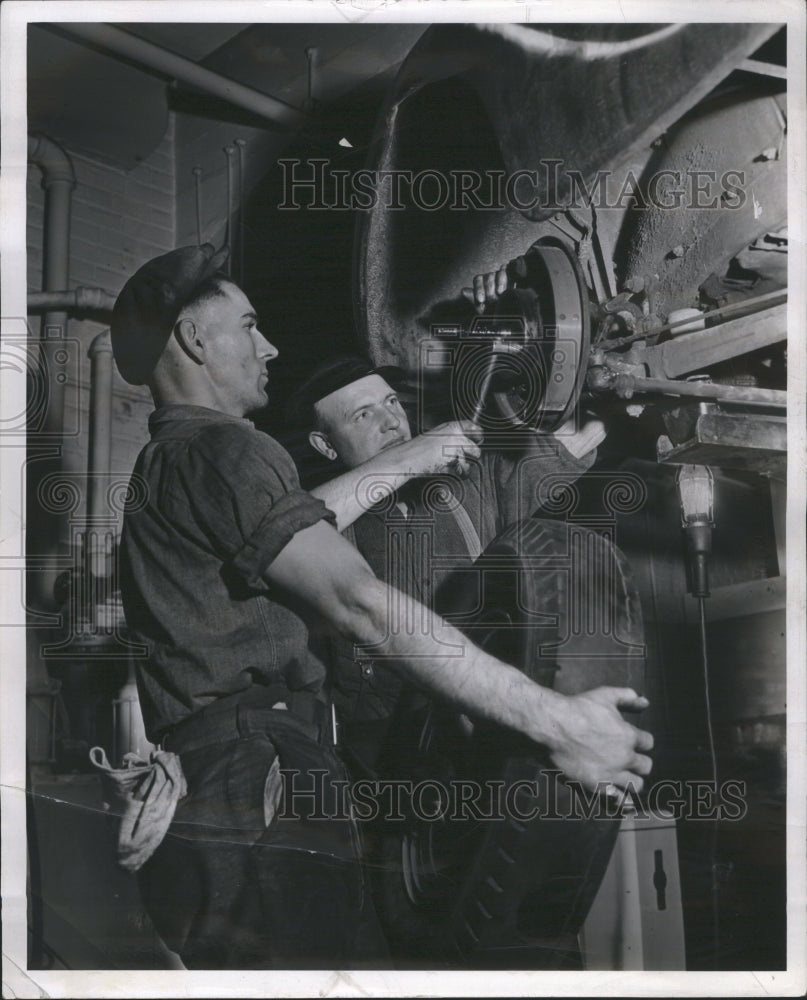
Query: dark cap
x=150, y=302
x=328, y=377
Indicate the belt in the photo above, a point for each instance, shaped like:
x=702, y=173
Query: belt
x=239, y=715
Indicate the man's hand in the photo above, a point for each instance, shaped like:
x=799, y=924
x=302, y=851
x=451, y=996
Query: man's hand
x=488, y=287
x=449, y=447
x=591, y=742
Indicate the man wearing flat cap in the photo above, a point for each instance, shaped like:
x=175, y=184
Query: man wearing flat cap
x=222, y=557
x=353, y=415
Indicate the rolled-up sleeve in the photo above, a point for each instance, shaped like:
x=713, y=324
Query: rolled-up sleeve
x=290, y=514
x=245, y=497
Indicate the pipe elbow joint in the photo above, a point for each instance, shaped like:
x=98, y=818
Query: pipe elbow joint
x=52, y=160
x=101, y=344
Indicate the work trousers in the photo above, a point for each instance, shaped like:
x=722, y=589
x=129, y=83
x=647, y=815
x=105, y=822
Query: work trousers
x=225, y=889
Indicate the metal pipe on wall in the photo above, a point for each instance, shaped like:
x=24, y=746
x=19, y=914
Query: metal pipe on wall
x=100, y=450
x=178, y=68
x=58, y=181
x=77, y=299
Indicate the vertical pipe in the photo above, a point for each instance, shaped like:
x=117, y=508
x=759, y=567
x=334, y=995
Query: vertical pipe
x=197, y=173
x=100, y=450
x=128, y=729
x=240, y=144
x=58, y=181
x=230, y=153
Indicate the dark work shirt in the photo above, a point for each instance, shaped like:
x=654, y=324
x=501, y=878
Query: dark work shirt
x=213, y=503
x=416, y=538
x=420, y=539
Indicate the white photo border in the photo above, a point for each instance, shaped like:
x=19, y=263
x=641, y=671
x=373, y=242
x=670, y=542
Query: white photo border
x=17, y=980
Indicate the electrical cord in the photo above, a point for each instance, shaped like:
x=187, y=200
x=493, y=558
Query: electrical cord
x=705, y=662
x=696, y=495
x=713, y=757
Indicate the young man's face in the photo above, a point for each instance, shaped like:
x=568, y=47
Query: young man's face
x=237, y=351
x=359, y=420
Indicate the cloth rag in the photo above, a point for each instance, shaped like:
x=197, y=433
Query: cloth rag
x=145, y=795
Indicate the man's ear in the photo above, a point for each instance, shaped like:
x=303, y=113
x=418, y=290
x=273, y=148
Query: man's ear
x=319, y=442
x=190, y=339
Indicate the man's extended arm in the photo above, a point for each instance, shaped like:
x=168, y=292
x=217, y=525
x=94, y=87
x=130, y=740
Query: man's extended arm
x=585, y=734
x=444, y=448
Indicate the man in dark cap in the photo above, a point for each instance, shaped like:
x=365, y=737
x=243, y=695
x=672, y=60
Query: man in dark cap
x=355, y=420
x=221, y=553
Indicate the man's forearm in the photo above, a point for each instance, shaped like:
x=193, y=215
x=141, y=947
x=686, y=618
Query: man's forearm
x=439, y=657
x=354, y=492
x=350, y=495
x=585, y=735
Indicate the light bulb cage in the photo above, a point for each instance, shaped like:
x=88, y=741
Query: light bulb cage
x=695, y=485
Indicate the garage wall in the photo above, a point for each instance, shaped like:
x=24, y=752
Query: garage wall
x=119, y=220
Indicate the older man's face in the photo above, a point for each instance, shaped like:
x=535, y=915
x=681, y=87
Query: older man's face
x=236, y=352
x=362, y=419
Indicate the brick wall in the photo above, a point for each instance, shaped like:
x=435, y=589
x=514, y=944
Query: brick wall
x=119, y=220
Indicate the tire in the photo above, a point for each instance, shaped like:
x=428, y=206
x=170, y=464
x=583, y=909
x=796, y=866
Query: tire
x=469, y=889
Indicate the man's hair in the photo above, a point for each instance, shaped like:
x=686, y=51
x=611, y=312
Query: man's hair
x=210, y=288
x=316, y=422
